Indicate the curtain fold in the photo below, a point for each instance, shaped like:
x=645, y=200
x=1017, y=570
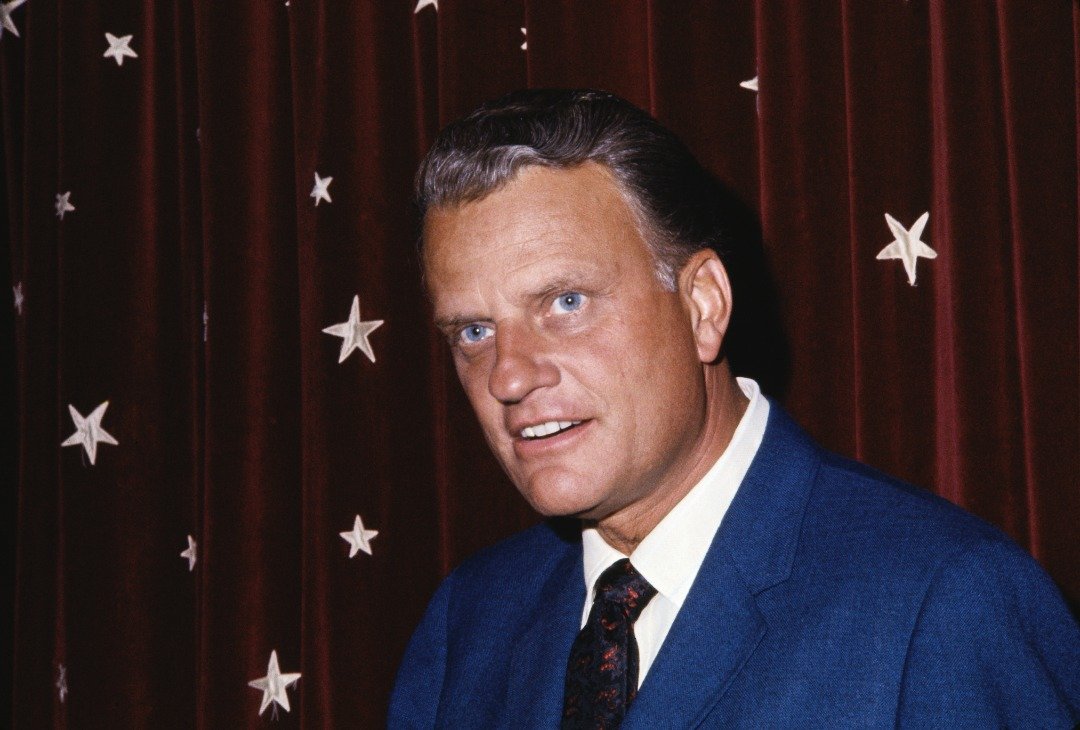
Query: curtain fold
x=186, y=223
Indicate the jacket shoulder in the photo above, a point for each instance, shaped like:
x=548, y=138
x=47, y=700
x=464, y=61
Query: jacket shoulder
x=855, y=491
x=863, y=528
x=537, y=547
x=514, y=570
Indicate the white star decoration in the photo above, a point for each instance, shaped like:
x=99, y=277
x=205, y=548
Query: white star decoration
x=750, y=84
x=19, y=298
x=354, y=333
x=119, y=47
x=63, y=204
x=907, y=244
x=61, y=682
x=525, y=39
x=6, y=23
x=320, y=191
x=88, y=431
x=191, y=553
x=421, y=4
x=359, y=538
x=274, y=684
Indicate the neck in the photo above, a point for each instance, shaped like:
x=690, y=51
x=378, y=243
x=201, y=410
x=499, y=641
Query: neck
x=725, y=405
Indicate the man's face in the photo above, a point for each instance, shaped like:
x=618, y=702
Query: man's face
x=582, y=369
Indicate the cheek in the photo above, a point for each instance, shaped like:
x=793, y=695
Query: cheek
x=472, y=374
x=665, y=381
x=489, y=414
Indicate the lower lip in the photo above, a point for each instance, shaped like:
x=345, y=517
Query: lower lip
x=531, y=448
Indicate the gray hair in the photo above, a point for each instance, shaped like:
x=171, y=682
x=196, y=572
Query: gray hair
x=673, y=198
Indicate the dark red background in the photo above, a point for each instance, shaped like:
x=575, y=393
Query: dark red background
x=264, y=448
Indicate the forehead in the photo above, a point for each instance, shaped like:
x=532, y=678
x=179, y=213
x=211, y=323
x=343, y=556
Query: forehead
x=543, y=221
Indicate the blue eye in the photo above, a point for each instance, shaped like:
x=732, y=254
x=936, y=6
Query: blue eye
x=475, y=333
x=568, y=302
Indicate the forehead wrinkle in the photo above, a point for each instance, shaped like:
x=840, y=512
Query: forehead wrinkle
x=510, y=248
x=553, y=272
x=543, y=250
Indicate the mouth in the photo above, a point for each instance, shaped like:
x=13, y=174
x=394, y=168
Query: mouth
x=546, y=430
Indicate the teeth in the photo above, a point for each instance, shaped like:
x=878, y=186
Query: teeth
x=546, y=429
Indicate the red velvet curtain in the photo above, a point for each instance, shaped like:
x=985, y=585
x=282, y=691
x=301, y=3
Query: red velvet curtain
x=190, y=285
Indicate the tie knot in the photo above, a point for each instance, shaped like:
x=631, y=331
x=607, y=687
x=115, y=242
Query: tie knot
x=623, y=586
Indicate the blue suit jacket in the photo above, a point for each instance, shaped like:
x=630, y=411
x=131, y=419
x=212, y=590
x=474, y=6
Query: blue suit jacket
x=832, y=596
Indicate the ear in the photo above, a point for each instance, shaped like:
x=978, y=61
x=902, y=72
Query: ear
x=706, y=293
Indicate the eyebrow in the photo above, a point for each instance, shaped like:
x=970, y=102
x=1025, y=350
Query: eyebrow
x=574, y=282
x=457, y=322
x=557, y=286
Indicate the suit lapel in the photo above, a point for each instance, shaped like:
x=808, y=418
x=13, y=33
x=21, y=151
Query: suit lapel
x=715, y=632
x=720, y=624
x=538, y=665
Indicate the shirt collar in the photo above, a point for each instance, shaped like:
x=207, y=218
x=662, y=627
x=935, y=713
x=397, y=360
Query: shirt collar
x=670, y=556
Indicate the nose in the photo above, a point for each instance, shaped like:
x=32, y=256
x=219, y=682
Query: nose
x=522, y=364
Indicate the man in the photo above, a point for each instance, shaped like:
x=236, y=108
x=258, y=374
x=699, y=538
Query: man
x=570, y=251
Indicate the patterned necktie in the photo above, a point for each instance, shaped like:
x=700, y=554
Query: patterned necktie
x=601, y=676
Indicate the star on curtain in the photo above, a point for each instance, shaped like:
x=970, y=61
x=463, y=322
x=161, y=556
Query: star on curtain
x=750, y=84
x=191, y=553
x=274, y=685
x=359, y=538
x=119, y=46
x=88, y=431
x=63, y=204
x=354, y=333
x=421, y=4
x=907, y=244
x=61, y=682
x=19, y=298
x=6, y=23
x=524, y=39
x=320, y=191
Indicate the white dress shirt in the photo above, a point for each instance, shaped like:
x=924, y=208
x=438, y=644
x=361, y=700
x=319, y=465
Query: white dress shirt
x=670, y=556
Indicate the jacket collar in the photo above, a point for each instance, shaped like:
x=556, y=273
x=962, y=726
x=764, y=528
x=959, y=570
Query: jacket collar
x=720, y=624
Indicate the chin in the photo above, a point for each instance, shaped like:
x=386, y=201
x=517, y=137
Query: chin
x=560, y=497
